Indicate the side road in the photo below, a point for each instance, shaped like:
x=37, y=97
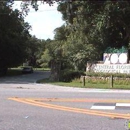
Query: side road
x=25, y=78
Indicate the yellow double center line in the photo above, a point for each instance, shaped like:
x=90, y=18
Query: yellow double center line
x=92, y=100
x=35, y=102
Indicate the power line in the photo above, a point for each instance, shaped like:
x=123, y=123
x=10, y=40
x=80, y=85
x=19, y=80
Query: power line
x=39, y=11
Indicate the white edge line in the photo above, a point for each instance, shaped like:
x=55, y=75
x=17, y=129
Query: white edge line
x=103, y=107
x=123, y=104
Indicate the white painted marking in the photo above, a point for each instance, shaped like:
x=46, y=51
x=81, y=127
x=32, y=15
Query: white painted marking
x=123, y=104
x=103, y=107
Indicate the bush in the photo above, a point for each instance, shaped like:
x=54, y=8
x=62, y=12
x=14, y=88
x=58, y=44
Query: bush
x=69, y=75
x=97, y=81
x=120, y=75
x=118, y=78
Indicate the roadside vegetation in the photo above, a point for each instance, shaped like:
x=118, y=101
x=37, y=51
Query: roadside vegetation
x=121, y=84
x=90, y=28
x=92, y=80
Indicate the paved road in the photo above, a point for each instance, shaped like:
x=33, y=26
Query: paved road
x=26, y=105
x=25, y=78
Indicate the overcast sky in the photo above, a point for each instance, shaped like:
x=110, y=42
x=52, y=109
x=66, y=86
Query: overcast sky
x=44, y=21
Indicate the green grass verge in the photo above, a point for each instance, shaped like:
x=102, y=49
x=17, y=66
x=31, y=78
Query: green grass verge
x=79, y=84
x=42, y=69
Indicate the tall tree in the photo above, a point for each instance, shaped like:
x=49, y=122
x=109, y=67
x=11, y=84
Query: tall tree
x=35, y=49
x=93, y=26
x=13, y=37
x=81, y=45
x=98, y=24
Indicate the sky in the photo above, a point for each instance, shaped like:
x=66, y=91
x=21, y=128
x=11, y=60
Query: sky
x=43, y=21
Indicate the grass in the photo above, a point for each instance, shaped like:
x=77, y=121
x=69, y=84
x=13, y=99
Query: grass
x=79, y=84
x=42, y=69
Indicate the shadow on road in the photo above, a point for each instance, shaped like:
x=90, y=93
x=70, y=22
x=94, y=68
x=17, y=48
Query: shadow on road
x=25, y=78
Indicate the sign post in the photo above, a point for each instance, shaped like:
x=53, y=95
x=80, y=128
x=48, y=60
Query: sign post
x=111, y=81
x=83, y=81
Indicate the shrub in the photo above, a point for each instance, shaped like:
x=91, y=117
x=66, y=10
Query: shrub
x=119, y=79
x=120, y=75
x=69, y=75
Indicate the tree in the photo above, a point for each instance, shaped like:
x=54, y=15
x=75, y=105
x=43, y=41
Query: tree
x=61, y=33
x=92, y=26
x=35, y=49
x=99, y=23
x=117, y=24
x=13, y=37
x=54, y=54
x=80, y=46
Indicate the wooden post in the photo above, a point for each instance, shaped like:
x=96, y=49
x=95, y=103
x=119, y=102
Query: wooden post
x=111, y=81
x=83, y=81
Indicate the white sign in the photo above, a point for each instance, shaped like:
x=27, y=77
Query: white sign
x=115, y=58
x=111, y=68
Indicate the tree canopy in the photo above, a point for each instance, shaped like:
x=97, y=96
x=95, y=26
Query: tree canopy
x=100, y=24
x=14, y=33
x=91, y=27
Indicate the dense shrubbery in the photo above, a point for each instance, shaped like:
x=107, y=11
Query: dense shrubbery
x=120, y=75
x=68, y=75
x=103, y=78
x=101, y=81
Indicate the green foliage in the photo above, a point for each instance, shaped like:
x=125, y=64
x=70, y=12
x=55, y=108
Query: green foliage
x=68, y=75
x=53, y=51
x=91, y=27
x=80, y=47
x=120, y=75
x=61, y=33
x=119, y=81
x=122, y=82
x=78, y=83
x=96, y=26
x=35, y=50
x=97, y=81
x=114, y=50
x=103, y=78
x=14, y=33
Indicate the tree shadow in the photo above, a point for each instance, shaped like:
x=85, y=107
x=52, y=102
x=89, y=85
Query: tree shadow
x=25, y=78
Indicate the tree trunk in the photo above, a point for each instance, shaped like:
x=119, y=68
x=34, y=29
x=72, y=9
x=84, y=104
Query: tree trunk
x=55, y=70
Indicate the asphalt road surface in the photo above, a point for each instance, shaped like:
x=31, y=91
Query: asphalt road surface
x=26, y=105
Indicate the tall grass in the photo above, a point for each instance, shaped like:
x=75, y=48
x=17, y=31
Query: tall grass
x=103, y=84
